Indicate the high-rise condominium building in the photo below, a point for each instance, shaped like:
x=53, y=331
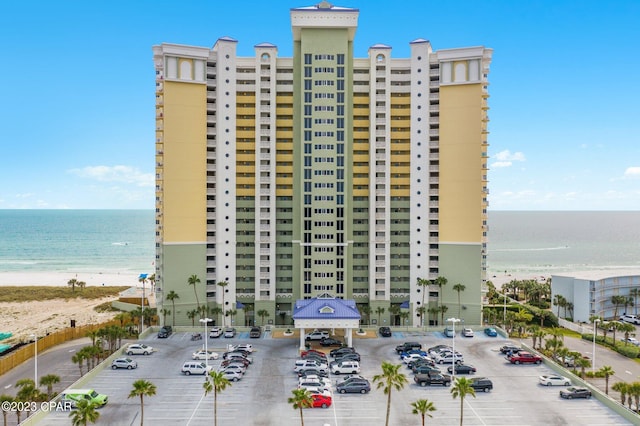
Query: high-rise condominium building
x=285, y=178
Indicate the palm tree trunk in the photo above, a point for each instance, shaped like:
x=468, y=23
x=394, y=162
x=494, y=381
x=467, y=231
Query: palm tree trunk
x=301, y=417
x=461, y=409
x=388, y=406
x=141, y=409
x=215, y=405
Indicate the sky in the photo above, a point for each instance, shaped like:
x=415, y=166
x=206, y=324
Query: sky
x=77, y=99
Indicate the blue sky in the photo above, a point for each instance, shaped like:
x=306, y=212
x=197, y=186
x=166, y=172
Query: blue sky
x=77, y=91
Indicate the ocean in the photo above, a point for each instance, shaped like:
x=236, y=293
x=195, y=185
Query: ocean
x=519, y=242
x=110, y=241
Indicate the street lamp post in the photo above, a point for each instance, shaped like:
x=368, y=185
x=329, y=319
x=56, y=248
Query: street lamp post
x=35, y=339
x=593, y=352
x=453, y=322
x=504, y=310
x=205, y=321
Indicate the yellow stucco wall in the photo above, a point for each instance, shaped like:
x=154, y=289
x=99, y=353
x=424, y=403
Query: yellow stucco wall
x=461, y=163
x=184, y=171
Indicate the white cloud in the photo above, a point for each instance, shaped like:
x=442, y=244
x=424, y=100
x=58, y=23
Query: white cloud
x=632, y=172
x=125, y=174
x=506, y=158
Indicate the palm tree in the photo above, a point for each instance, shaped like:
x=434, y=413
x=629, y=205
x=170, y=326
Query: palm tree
x=142, y=388
x=617, y=300
x=379, y=311
x=72, y=283
x=192, y=314
x=634, y=390
x=262, y=313
x=461, y=388
x=222, y=285
x=217, y=310
x=425, y=285
x=459, y=287
x=621, y=387
x=434, y=310
x=215, y=382
x=301, y=399
x=615, y=326
x=172, y=296
x=607, y=372
x=389, y=379
x=440, y=282
x=394, y=310
x=194, y=281
x=81, y=285
x=4, y=398
x=27, y=391
x=443, y=310
x=78, y=358
x=366, y=311
x=582, y=363
x=635, y=293
x=49, y=380
x=423, y=407
x=84, y=413
x=559, y=301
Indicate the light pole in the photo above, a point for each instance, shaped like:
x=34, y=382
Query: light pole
x=205, y=321
x=593, y=352
x=504, y=310
x=453, y=322
x=35, y=339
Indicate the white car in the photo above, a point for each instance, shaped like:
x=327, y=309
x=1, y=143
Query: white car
x=127, y=363
x=241, y=347
x=317, y=335
x=467, y=332
x=204, y=355
x=632, y=340
x=326, y=382
x=215, y=332
x=139, y=349
x=239, y=368
x=633, y=319
x=554, y=381
x=308, y=364
x=313, y=385
x=232, y=376
x=412, y=357
x=449, y=358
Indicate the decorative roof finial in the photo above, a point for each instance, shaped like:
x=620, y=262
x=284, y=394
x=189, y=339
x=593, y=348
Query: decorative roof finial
x=324, y=5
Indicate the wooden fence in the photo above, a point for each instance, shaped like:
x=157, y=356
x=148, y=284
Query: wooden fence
x=20, y=355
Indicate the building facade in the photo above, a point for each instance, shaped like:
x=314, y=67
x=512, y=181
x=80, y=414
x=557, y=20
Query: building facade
x=592, y=294
x=288, y=177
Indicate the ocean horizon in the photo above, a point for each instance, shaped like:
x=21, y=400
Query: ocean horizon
x=123, y=241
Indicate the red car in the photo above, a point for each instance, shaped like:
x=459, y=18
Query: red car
x=523, y=357
x=304, y=354
x=321, y=401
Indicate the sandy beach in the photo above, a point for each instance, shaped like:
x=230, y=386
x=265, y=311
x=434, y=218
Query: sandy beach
x=26, y=318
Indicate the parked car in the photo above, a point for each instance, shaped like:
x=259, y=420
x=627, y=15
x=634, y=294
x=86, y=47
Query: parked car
x=139, y=349
x=413, y=352
x=384, y=332
x=229, y=332
x=215, y=332
x=165, y=332
x=432, y=379
x=413, y=357
x=510, y=349
x=312, y=372
x=567, y=361
x=313, y=385
x=633, y=319
x=406, y=346
x=325, y=381
x=321, y=401
x=351, y=377
x=353, y=386
x=437, y=348
x=240, y=368
x=631, y=340
x=330, y=341
x=491, y=332
x=346, y=367
x=204, y=355
x=425, y=369
x=127, y=363
x=548, y=380
x=304, y=354
x=448, y=332
x=420, y=362
x=195, y=367
x=255, y=333
x=467, y=332
x=232, y=376
x=317, y=335
x=353, y=356
x=337, y=352
x=481, y=384
x=523, y=357
x=307, y=364
x=235, y=360
x=246, y=347
x=462, y=369
x=449, y=358
x=573, y=392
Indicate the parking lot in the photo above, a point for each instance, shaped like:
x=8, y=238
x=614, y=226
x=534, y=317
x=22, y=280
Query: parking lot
x=260, y=398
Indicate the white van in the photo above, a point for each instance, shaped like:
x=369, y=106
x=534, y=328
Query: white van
x=194, y=367
x=346, y=367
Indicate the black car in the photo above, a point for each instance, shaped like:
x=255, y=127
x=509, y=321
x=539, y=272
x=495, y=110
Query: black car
x=165, y=332
x=573, y=392
x=353, y=386
x=353, y=356
x=330, y=341
x=419, y=363
x=425, y=369
x=510, y=349
x=463, y=369
x=384, y=332
x=481, y=384
x=337, y=352
x=255, y=333
x=312, y=372
x=407, y=346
